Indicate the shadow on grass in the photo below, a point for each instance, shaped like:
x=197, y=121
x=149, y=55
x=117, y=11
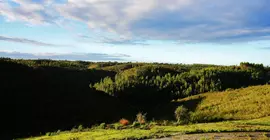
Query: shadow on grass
x=166, y=111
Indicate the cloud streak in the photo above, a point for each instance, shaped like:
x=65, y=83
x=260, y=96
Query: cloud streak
x=113, y=40
x=30, y=42
x=68, y=56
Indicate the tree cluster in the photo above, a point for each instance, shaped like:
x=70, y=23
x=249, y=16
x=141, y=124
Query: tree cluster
x=162, y=84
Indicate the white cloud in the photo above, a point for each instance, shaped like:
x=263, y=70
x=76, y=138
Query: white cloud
x=29, y=12
x=116, y=15
x=197, y=20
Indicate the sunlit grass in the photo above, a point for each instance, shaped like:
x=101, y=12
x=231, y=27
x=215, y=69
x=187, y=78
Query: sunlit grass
x=247, y=103
x=162, y=131
x=248, y=110
x=262, y=121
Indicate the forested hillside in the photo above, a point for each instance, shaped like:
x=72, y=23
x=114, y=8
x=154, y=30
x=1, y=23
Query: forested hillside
x=38, y=96
x=155, y=84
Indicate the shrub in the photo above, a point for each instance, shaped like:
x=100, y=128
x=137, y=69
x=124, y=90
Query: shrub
x=102, y=126
x=141, y=118
x=165, y=123
x=117, y=126
x=109, y=126
x=58, y=131
x=74, y=130
x=124, y=122
x=80, y=128
x=48, y=134
x=135, y=124
x=181, y=114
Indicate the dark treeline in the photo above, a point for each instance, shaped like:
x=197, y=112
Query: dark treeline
x=40, y=96
x=44, y=98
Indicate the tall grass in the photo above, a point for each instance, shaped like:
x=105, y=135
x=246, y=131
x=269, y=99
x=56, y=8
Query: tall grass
x=241, y=104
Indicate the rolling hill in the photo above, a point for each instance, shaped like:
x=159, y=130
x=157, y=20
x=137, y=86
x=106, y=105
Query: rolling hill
x=240, y=104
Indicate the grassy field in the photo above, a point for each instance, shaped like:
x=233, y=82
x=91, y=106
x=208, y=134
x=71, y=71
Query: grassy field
x=241, y=104
x=241, y=110
x=157, y=131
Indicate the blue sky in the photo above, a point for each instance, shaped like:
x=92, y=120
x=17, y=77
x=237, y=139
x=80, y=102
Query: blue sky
x=174, y=31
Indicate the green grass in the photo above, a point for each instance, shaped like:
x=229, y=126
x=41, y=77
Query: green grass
x=242, y=110
x=161, y=131
x=241, y=104
x=262, y=121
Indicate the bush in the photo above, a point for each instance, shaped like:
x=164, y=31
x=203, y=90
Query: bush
x=136, y=124
x=141, y=118
x=80, y=127
x=48, y=134
x=124, y=122
x=117, y=126
x=181, y=114
x=102, y=126
x=74, y=130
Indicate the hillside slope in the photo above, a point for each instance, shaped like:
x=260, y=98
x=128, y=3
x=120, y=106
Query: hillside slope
x=35, y=100
x=248, y=106
x=246, y=103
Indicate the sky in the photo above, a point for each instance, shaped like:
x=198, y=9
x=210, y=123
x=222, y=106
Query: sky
x=223, y=32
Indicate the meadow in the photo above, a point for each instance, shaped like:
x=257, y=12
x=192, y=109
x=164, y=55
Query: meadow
x=159, y=131
x=252, y=116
